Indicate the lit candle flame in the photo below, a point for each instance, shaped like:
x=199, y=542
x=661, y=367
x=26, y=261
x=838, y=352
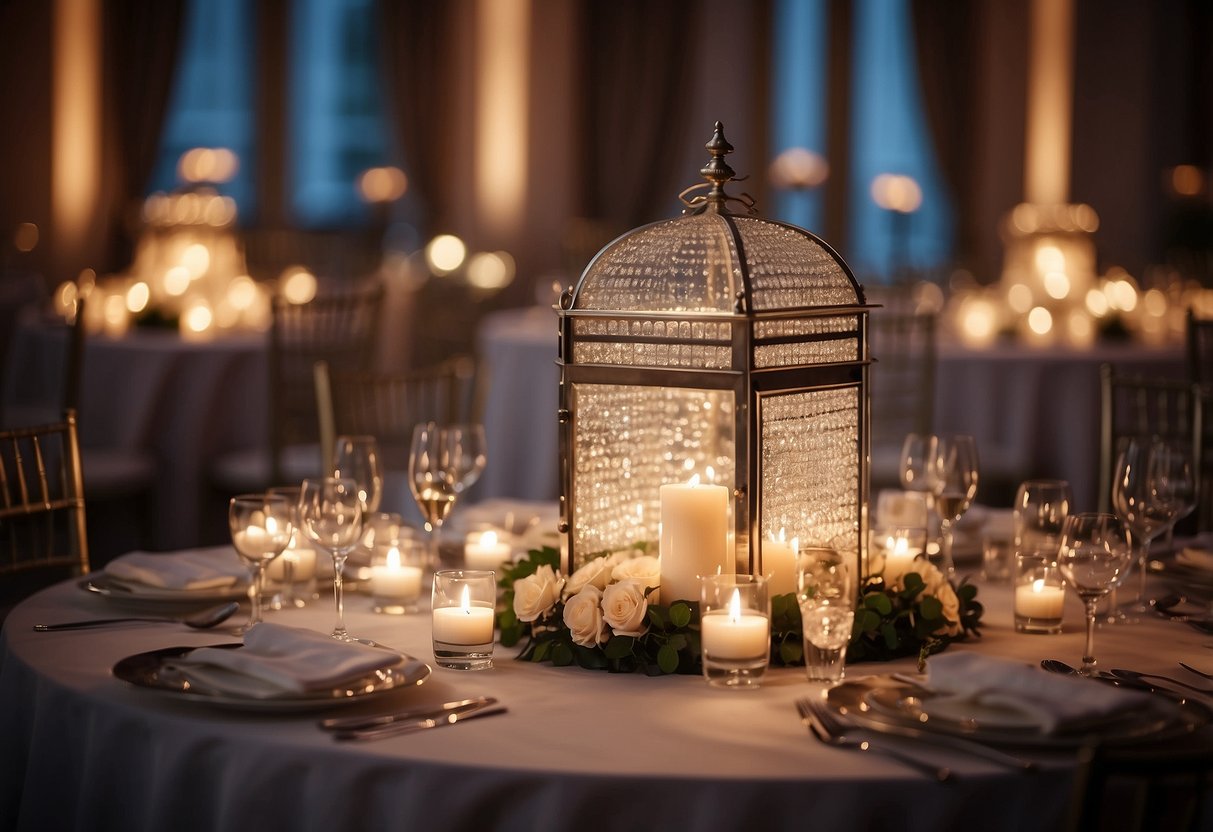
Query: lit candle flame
x=465, y=601
x=1038, y=584
x=488, y=539
x=694, y=480
x=735, y=607
x=393, y=560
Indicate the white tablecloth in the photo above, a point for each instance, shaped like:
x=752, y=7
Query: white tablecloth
x=578, y=749
x=1034, y=412
x=184, y=401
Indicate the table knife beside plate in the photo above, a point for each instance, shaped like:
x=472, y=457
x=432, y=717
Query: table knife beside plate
x=354, y=723
x=395, y=729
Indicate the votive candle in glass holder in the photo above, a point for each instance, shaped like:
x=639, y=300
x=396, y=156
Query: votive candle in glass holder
x=1040, y=595
x=735, y=629
x=486, y=550
x=463, y=602
x=895, y=547
x=395, y=582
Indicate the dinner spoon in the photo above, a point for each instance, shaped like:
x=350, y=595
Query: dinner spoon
x=203, y=620
x=1058, y=666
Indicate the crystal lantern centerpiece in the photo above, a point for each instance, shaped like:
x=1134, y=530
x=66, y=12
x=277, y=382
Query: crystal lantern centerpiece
x=721, y=348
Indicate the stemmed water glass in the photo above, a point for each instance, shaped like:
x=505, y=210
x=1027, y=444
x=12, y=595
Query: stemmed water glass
x=261, y=528
x=330, y=513
x=444, y=460
x=357, y=458
x=952, y=472
x=1039, y=513
x=287, y=598
x=1094, y=557
x=1152, y=486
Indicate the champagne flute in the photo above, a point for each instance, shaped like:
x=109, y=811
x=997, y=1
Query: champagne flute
x=464, y=452
x=431, y=481
x=1094, y=557
x=330, y=513
x=357, y=458
x=261, y=527
x=953, y=474
x=1152, y=483
x=917, y=452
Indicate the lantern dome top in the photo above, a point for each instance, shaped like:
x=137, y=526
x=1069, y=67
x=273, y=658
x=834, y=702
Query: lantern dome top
x=714, y=260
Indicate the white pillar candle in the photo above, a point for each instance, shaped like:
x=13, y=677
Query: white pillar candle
x=734, y=634
x=304, y=561
x=395, y=580
x=694, y=537
x=1039, y=600
x=779, y=564
x=485, y=551
x=464, y=624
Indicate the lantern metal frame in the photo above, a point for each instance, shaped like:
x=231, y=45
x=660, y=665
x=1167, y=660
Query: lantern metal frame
x=752, y=386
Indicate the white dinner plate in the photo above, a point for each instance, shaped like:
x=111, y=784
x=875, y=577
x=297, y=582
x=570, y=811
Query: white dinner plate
x=153, y=671
x=881, y=703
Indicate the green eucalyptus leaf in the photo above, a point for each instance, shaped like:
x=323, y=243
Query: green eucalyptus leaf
x=667, y=658
x=619, y=646
x=866, y=620
x=562, y=654
x=791, y=652
x=879, y=603
x=930, y=607
x=680, y=614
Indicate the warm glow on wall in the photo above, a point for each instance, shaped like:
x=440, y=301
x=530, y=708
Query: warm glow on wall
x=76, y=142
x=1050, y=90
x=500, y=167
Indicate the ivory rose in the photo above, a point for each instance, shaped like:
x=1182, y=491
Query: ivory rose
x=938, y=585
x=625, y=609
x=645, y=569
x=596, y=573
x=536, y=594
x=583, y=617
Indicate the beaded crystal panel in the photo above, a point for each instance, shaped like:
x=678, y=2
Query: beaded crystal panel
x=628, y=441
x=789, y=269
x=682, y=265
x=810, y=467
x=647, y=343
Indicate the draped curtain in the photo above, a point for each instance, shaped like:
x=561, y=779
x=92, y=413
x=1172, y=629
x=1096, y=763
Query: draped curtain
x=418, y=41
x=945, y=37
x=141, y=45
x=639, y=62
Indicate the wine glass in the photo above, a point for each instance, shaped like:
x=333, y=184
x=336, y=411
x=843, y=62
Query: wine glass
x=443, y=461
x=917, y=452
x=1094, y=557
x=330, y=513
x=261, y=526
x=464, y=450
x=1039, y=513
x=1152, y=484
x=357, y=458
x=952, y=473
x=287, y=598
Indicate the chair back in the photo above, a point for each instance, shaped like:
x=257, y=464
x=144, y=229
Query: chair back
x=1136, y=407
x=902, y=382
x=389, y=405
x=339, y=329
x=1200, y=349
x=42, y=517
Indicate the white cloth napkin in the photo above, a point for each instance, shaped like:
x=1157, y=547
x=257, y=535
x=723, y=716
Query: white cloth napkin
x=1049, y=701
x=1196, y=557
x=277, y=660
x=190, y=569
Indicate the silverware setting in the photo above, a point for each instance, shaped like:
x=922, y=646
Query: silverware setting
x=1134, y=675
x=1200, y=673
x=203, y=620
x=1124, y=680
x=406, y=722
x=831, y=731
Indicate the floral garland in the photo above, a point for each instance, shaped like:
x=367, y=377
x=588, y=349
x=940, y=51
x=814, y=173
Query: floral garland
x=608, y=615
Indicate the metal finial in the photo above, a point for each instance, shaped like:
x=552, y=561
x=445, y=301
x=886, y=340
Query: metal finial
x=716, y=172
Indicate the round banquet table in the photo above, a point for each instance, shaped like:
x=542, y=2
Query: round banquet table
x=577, y=749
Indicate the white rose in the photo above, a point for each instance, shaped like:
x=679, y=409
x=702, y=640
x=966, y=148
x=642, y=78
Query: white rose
x=535, y=595
x=596, y=573
x=583, y=616
x=625, y=609
x=938, y=585
x=646, y=569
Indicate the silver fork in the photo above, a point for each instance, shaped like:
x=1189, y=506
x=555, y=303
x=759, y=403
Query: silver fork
x=829, y=730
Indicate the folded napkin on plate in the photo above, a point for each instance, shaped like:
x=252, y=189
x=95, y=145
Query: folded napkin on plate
x=277, y=660
x=1048, y=700
x=192, y=569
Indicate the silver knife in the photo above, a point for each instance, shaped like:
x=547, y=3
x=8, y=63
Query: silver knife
x=398, y=728
x=350, y=723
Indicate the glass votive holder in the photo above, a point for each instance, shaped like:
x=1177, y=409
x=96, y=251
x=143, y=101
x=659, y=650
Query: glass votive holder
x=395, y=579
x=1040, y=595
x=486, y=549
x=735, y=629
x=292, y=576
x=827, y=631
x=463, y=603
x=894, y=548
x=997, y=557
